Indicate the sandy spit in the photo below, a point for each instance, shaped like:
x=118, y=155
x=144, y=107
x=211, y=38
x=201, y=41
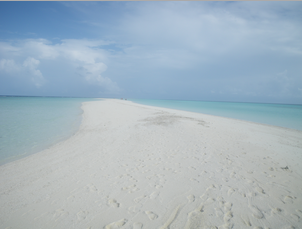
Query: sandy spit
x=135, y=166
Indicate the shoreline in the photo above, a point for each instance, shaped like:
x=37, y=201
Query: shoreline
x=31, y=125
x=20, y=157
x=218, y=116
x=232, y=115
x=137, y=166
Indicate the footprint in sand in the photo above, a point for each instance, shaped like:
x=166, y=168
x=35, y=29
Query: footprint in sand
x=191, y=198
x=227, y=216
x=212, y=186
x=256, y=212
x=134, y=209
x=251, y=194
x=299, y=212
x=210, y=201
x=130, y=188
x=162, y=181
x=154, y=195
x=82, y=215
x=151, y=215
x=139, y=199
x=113, y=203
x=276, y=210
x=91, y=188
x=116, y=225
x=295, y=217
x=232, y=175
x=137, y=225
x=228, y=206
x=193, y=179
x=195, y=218
x=289, y=199
x=225, y=179
x=230, y=191
x=246, y=220
x=158, y=186
x=60, y=213
x=260, y=190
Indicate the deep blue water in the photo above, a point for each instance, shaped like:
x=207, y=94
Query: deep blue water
x=31, y=124
x=282, y=115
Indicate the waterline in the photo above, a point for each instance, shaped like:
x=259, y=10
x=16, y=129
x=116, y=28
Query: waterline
x=282, y=115
x=31, y=124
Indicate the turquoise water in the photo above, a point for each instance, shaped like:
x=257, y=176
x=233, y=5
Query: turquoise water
x=283, y=115
x=31, y=124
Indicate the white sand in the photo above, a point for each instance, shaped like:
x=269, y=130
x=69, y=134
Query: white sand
x=134, y=166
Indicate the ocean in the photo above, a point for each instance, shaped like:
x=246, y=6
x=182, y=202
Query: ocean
x=31, y=124
x=282, y=115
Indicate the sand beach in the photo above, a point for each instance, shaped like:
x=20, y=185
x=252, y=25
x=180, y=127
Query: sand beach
x=136, y=166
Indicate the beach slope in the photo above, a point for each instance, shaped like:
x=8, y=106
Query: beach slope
x=136, y=166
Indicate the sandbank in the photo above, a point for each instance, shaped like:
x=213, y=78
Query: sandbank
x=137, y=166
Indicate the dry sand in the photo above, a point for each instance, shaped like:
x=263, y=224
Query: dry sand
x=135, y=166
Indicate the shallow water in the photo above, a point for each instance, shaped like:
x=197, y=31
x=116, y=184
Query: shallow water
x=282, y=115
x=31, y=124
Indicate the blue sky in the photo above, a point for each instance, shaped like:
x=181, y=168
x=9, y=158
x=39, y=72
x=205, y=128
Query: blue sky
x=215, y=51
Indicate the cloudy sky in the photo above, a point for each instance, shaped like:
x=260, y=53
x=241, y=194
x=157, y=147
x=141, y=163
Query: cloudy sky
x=213, y=51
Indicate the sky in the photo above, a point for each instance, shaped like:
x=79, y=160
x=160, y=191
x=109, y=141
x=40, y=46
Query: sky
x=195, y=50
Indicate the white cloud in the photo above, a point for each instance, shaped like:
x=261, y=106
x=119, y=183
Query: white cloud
x=31, y=64
x=88, y=57
x=186, y=49
x=8, y=66
x=40, y=48
x=83, y=57
x=207, y=30
x=29, y=69
x=9, y=50
x=93, y=70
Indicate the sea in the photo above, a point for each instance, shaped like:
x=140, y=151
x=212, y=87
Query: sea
x=31, y=124
x=282, y=115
